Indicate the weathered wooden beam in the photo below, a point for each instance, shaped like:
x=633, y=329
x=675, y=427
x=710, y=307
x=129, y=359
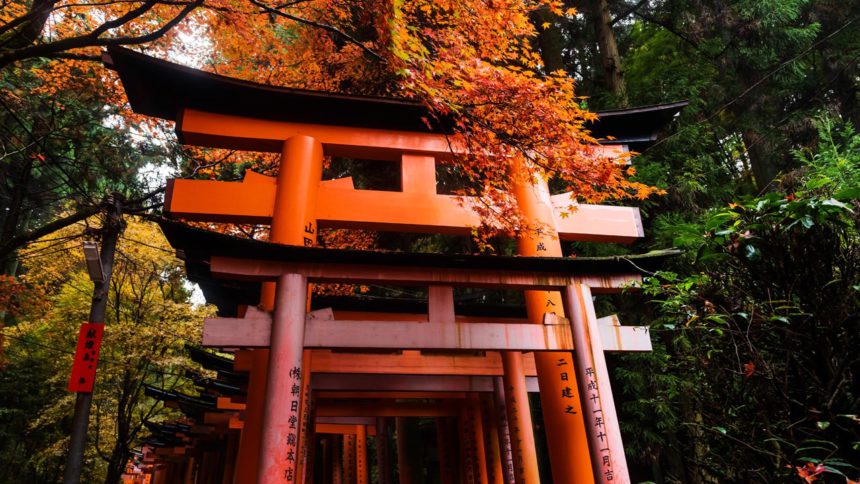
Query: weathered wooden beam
x=407, y=383
x=342, y=429
x=413, y=362
x=347, y=420
x=267, y=270
x=385, y=408
x=225, y=403
x=595, y=223
x=219, y=419
x=394, y=335
x=394, y=395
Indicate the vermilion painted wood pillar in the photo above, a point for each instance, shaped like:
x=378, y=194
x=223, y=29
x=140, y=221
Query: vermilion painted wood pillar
x=446, y=446
x=230, y=454
x=294, y=223
x=491, y=441
x=362, y=468
x=189, y=469
x=519, y=420
x=607, y=450
x=406, y=462
x=467, y=446
x=157, y=475
x=306, y=435
x=337, y=459
x=325, y=458
x=503, y=430
x=349, y=459
x=562, y=410
x=279, y=452
x=383, y=450
x=293, y=216
x=252, y=430
x=477, y=438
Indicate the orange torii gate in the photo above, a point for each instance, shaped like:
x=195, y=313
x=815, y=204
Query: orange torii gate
x=305, y=126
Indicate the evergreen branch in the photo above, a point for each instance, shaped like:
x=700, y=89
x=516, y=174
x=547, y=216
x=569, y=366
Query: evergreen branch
x=21, y=239
x=632, y=10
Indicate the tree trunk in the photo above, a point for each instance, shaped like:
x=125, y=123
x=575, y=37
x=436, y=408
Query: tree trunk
x=549, y=39
x=20, y=175
x=610, y=59
x=29, y=31
x=761, y=159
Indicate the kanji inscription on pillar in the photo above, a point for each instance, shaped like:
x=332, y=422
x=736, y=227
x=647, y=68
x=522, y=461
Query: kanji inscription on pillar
x=292, y=442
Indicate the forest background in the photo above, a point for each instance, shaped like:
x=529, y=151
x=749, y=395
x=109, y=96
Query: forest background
x=753, y=377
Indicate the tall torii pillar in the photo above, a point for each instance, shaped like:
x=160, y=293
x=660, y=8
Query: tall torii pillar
x=562, y=409
x=293, y=223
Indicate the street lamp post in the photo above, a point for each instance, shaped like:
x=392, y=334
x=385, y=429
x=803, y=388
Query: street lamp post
x=99, y=267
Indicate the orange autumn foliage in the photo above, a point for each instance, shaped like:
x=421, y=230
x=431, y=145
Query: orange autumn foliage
x=471, y=62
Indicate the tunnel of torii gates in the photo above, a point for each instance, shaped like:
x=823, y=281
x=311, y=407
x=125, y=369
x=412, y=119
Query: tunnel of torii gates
x=314, y=380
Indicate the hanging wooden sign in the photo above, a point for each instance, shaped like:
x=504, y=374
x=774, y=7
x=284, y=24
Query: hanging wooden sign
x=86, y=357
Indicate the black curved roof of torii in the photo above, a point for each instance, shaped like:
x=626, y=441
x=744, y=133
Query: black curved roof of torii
x=196, y=246
x=162, y=89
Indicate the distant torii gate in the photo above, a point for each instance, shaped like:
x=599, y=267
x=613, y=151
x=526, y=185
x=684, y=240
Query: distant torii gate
x=213, y=111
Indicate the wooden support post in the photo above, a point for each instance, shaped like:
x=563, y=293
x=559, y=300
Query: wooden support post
x=189, y=469
x=306, y=433
x=440, y=304
x=604, y=433
x=519, y=420
x=467, y=448
x=325, y=460
x=476, y=438
x=362, y=468
x=159, y=474
x=230, y=455
x=250, y=439
x=491, y=440
x=418, y=174
x=562, y=412
x=293, y=215
x=407, y=466
x=349, y=459
x=383, y=450
x=279, y=451
x=505, y=448
x=446, y=446
x=293, y=222
x=337, y=459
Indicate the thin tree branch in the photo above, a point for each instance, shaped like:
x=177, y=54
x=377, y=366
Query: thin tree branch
x=92, y=39
x=13, y=243
x=669, y=28
x=621, y=16
x=320, y=25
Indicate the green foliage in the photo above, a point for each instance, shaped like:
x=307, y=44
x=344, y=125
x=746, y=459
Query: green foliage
x=148, y=323
x=754, y=372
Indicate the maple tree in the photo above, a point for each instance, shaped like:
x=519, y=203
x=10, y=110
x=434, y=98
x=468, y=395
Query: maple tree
x=514, y=119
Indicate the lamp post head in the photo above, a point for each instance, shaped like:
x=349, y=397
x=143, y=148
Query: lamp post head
x=94, y=261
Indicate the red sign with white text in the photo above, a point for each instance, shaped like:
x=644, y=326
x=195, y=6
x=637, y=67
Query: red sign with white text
x=86, y=357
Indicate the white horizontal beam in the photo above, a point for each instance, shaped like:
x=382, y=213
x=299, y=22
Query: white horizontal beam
x=254, y=332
